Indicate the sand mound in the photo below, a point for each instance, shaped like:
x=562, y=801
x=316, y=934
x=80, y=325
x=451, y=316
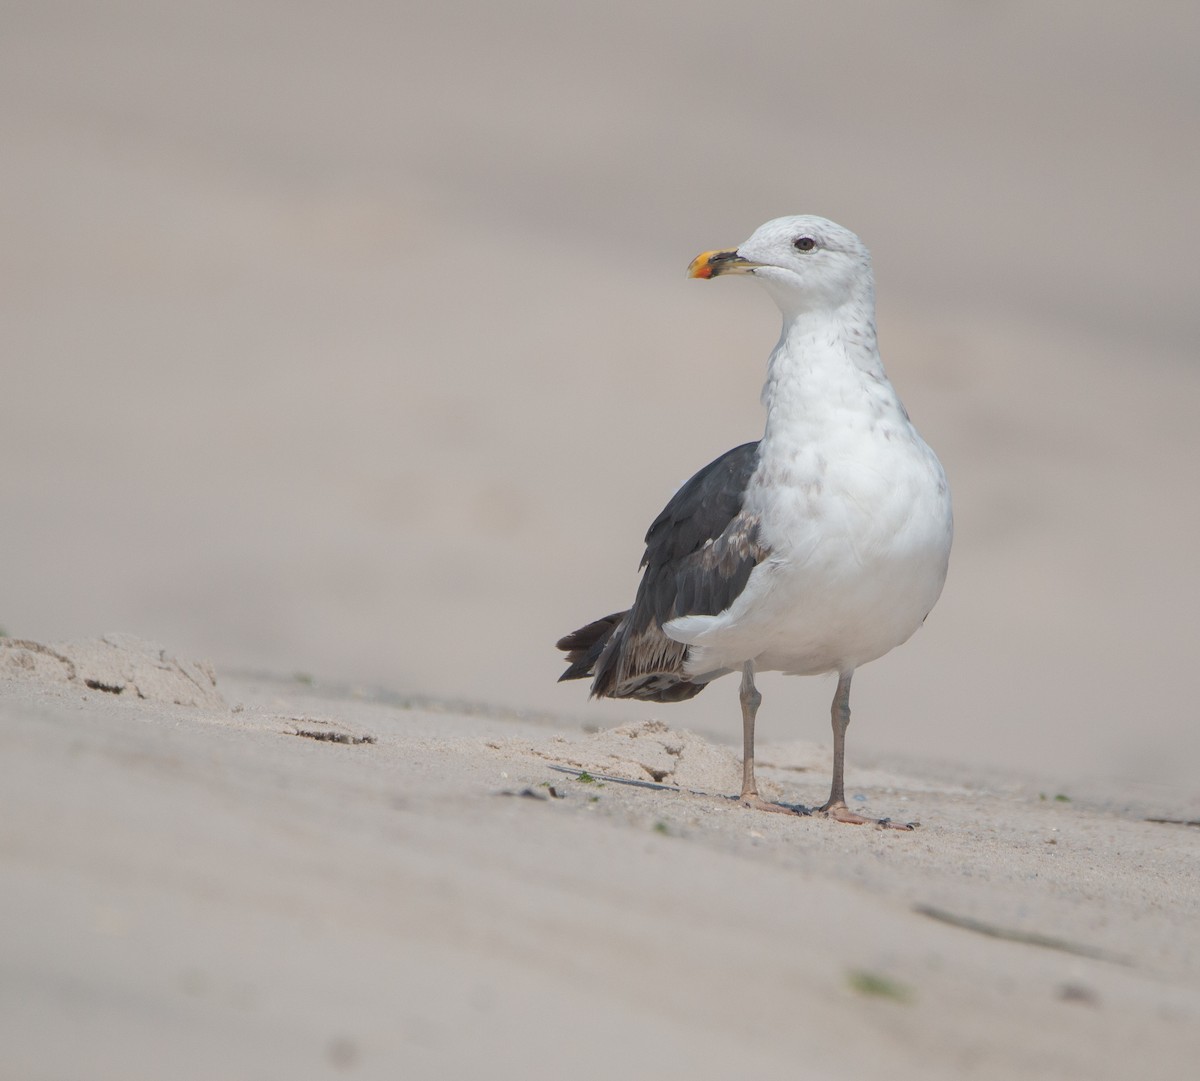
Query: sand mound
x=119, y=664
x=650, y=751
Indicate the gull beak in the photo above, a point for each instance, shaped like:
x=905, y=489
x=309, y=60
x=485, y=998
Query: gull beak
x=712, y=264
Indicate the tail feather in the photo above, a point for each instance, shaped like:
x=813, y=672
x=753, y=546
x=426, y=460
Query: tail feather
x=584, y=646
x=602, y=651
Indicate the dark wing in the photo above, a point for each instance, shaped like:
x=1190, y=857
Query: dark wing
x=699, y=555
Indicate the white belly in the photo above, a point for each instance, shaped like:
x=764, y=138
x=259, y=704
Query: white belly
x=859, y=537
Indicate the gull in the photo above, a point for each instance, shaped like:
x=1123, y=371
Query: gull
x=814, y=550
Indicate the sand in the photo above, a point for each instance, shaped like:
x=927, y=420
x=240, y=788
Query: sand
x=351, y=345
x=311, y=880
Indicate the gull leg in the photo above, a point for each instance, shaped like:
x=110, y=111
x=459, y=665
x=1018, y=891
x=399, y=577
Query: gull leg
x=835, y=807
x=750, y=699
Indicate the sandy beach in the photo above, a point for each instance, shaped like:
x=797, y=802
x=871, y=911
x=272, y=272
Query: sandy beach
x=310, y=881
x=348, y=355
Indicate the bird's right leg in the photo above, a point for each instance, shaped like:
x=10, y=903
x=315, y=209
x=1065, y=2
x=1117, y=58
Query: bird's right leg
x=750, y=699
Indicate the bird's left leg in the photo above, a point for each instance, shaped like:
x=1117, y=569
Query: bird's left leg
x=835, y=807
x=750, y=699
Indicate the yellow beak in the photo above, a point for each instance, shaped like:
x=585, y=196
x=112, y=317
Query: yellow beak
x=712, y=264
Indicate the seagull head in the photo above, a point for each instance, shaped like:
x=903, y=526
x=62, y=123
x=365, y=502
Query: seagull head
x=805, y=263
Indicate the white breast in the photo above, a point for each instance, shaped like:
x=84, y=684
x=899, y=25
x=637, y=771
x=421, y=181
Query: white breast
x=855, y=511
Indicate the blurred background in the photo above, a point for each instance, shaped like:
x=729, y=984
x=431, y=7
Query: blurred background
x=353, y=340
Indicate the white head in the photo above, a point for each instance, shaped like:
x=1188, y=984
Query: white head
x=806, y=263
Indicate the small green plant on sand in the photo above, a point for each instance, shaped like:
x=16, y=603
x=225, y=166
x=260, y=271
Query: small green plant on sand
x=877, y=986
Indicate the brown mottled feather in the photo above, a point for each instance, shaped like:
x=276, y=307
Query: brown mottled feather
x=699, y=555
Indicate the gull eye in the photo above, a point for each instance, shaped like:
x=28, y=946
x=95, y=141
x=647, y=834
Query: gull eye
x=804, y=243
